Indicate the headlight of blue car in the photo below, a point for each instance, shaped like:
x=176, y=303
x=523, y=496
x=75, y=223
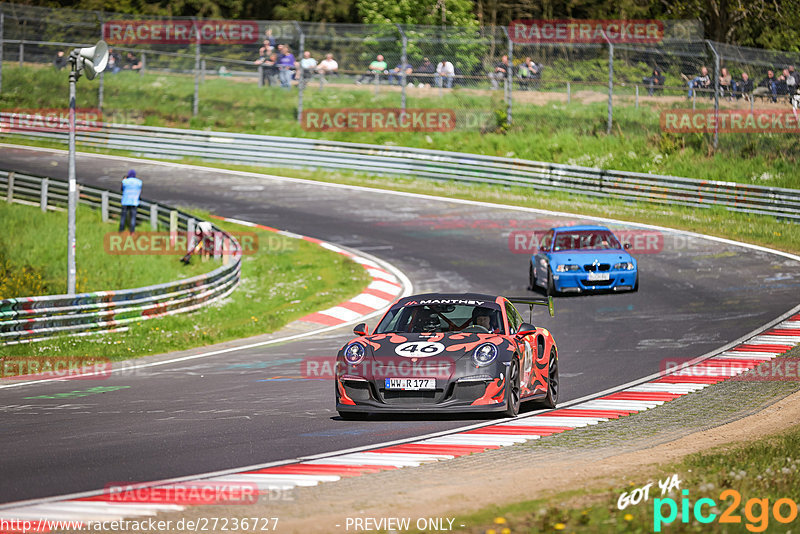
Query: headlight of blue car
x=566, y=267
x=623, y=266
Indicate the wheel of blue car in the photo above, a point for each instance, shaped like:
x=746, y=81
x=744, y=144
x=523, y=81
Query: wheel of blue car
x=512, y=393
x=553, y=385
x=551, y=286
x=532, y=277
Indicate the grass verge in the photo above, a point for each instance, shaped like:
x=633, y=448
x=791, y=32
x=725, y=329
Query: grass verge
x=744, y=479
x=33, y=255
x=283, y=280
x=543, y=129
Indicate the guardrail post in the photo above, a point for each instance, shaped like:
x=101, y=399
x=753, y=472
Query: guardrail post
x=190, y=225
x=153, y=217
x=10, y=190
x=144, y=64
x=637, y=96
x=104, y=206
x=43, y=194
x=173, y=227
x=569, y=93
x=21, y=53
x=218, y=242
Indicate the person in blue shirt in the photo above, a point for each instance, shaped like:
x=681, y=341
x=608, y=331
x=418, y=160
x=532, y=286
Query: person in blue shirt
x=131, y=190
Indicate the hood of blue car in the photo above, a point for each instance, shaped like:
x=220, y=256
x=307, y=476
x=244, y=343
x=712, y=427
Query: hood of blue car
x=583, y=257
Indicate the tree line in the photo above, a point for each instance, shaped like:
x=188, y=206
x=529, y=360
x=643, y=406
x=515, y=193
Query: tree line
x=761, y=24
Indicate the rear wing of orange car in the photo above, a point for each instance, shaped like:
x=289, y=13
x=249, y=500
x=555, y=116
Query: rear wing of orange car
x=534, y=301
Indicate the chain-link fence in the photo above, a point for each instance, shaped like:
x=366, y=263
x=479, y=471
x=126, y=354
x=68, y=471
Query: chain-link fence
x=478, y=78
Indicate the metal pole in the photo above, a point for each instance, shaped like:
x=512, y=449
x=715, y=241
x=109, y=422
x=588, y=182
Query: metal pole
x=196, y=98
x=610, y=86
x=2, y=23
x=21, y=53
x=716, y=92
x=73, y=186
x=569, y=93
x=43, y=194
x=202, y=71
x=637, y=96
x=144, y=64
x=302, y=84
x=100, y=92
x=509, y=76
x=403, y=61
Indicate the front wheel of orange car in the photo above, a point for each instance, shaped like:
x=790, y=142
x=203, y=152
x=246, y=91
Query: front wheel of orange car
x=512, y=391
x=553, y=384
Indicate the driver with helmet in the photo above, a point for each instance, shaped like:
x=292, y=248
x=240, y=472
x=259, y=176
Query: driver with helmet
x=425, y=320
x=485, y=317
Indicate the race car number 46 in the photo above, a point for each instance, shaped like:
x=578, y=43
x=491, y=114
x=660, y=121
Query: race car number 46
x=419, y=349
x=410, y=383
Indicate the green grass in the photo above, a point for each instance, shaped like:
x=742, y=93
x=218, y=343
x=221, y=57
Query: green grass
x=283, y=281
x=33, y=255
x=764, y=468
x=556, y=132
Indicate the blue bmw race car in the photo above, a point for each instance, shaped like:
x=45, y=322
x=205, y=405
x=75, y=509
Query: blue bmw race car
x=583, y=258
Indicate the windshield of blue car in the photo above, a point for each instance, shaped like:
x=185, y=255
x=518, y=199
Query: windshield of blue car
x=585, y=240
x=437, y=318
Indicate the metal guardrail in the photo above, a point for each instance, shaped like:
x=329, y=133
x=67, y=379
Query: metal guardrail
x=261, y=150
x=34, y=318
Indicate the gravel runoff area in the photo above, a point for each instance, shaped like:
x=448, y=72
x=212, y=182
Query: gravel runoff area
x=598, y=456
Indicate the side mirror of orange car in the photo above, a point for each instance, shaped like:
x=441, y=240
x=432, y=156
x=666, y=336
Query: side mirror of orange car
x=361, y=329
x=526, y=329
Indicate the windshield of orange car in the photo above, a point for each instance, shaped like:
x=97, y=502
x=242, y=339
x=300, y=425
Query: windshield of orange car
x=436, y=318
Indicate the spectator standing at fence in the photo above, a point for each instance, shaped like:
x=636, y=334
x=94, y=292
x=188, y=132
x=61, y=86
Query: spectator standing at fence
x=744, y=86
x=789, y=81
x=132, y=62
x=500, y=73
x=654, y=81
x=131, y=191
x=445, y=71
x=768, y=86
x=375, y=69
x=265, y=50
x=285, y=64
x=268, y=38
x=702, y=81
x=60, y=61
x=396, y=74
x=426, y=70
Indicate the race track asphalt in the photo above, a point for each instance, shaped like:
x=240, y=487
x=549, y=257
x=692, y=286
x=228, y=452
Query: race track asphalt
x=250, y=407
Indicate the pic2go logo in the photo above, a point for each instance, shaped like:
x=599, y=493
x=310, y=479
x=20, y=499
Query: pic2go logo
x=756, y=511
